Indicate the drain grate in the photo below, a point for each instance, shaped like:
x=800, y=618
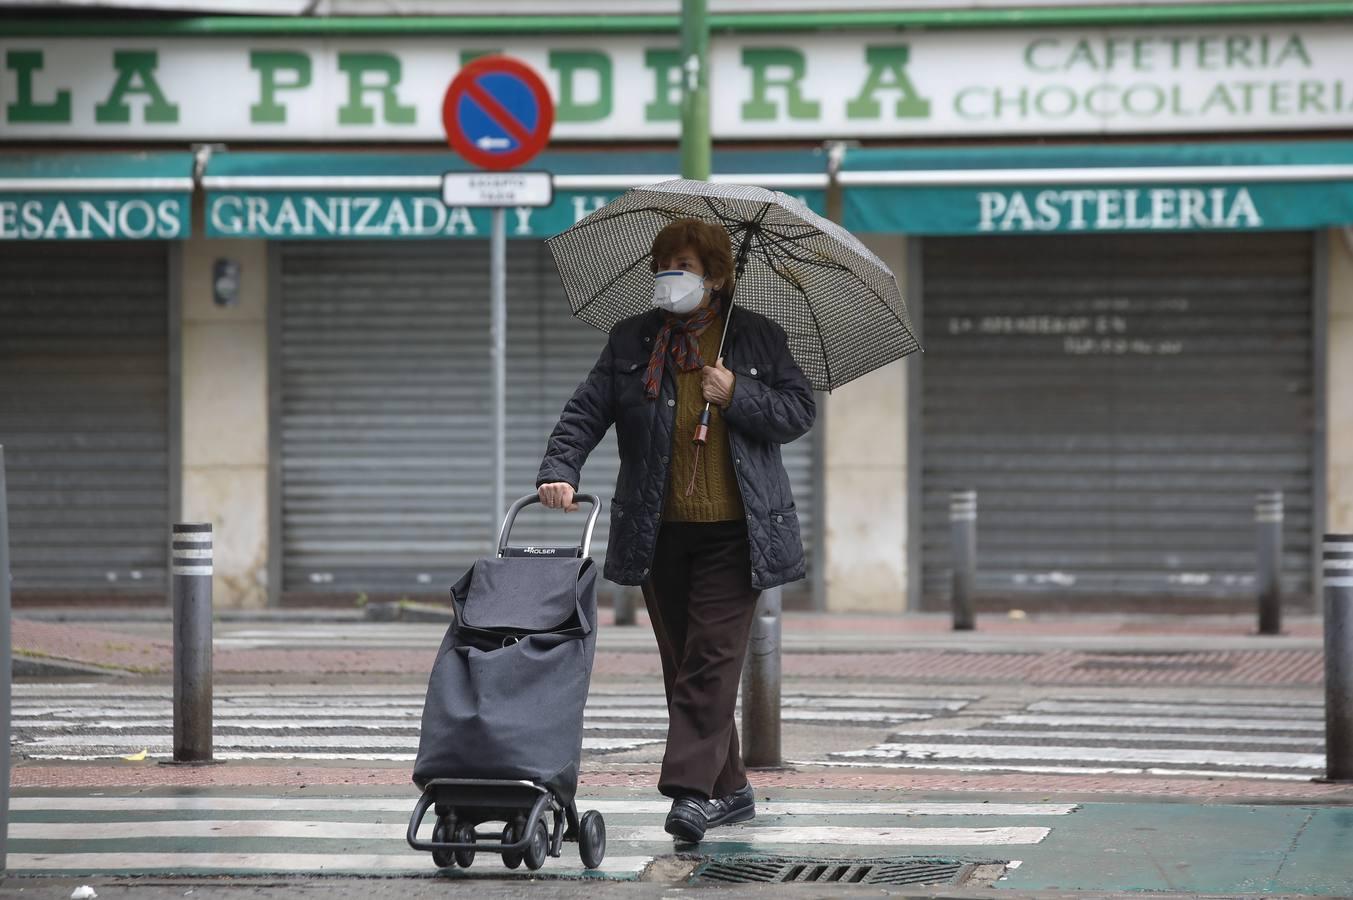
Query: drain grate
x=792, y=870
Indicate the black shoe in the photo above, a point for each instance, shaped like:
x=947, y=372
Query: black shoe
x=687, y=819
x=738, y=806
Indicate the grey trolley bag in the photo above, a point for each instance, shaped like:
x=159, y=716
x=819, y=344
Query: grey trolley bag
x=502, y=727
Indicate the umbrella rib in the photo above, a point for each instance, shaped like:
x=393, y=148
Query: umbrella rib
x=596, y=295
x=832, y=264
x=826, y=364
x=826, y=264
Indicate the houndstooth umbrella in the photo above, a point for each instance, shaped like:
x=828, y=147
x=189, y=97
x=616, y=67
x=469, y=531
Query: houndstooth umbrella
x=837, y=302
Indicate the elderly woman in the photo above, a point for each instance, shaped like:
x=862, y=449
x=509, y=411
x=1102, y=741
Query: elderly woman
x=703, y=527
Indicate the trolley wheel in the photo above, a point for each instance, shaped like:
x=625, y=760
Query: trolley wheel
x=538, y=848
x=592, y=839
x=441, y=834
x=465, y=835
x=511, y=858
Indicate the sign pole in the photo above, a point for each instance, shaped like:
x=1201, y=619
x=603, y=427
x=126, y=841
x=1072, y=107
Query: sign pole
x=695, y=90
x=6, y=661
x=498, y=329
x=498, y=114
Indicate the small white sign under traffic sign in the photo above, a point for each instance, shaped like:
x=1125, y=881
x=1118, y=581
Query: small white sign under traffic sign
x=510, y=188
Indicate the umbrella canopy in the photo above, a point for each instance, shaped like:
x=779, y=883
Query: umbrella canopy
x=837, y=302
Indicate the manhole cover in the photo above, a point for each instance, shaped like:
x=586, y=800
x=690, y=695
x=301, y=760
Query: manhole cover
x=792, y=870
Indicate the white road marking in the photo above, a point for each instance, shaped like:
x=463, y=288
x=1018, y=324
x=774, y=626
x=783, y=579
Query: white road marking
x=233, y=756
x=395, y=831
x=1054, y=770
x=1285, y=710
x=1178, y=722
x=142, y=803
x=1123, y=737
x=315, y=747
x=290, y=724
x=850, y=835
x=358, y=863
x=1143, y=755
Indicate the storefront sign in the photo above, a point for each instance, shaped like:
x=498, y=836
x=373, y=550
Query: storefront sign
x=1023, y=210
x=813, y=86
x=334, y=214
x=48, y=217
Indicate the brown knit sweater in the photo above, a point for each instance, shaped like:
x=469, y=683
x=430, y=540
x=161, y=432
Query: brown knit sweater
x=716, y=497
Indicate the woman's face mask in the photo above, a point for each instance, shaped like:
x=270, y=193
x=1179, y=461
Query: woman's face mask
x=677, y=291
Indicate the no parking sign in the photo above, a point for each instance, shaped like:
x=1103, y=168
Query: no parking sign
x=497, y=113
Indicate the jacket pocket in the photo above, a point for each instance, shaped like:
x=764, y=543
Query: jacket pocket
x=629, y=384
x=621, y=533
x=784, y=547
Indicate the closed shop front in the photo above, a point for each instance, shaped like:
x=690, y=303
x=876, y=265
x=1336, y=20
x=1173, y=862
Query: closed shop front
x=1117, y=401
x=84, y=416
x=1124, y=346
x=88, y=278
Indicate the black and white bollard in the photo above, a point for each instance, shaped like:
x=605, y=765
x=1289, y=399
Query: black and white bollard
x=1338, y=578
x=191, y=570
x=1268, y=523
x=963, y=530
x=6, y=664
x=761, y=685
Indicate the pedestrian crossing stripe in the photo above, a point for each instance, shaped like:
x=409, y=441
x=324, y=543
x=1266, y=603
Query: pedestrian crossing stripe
x=54, y=723
x=207, y=833
x=1054, y=770
x=1199, y=723
x=159, y=863
x=1157, y=755
x=142, y=803
x=186, y=829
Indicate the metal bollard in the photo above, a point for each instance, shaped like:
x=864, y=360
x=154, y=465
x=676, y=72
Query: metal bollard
x=6, y=666
x=1338, y=657
x=963, y=529
x=623, y=605
x=191, y=579
x=761, y=685
x=1268, y=523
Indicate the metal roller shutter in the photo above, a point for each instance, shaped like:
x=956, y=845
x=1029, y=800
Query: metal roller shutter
x=1117, y=401
x=386, y=414
x=84, y=414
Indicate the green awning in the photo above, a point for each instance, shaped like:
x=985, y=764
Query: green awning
x=95, y=196
x=398, y=195
x=1102, y=188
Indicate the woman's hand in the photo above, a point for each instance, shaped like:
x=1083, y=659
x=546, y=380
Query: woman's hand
x=716, y=383
x=558, y=495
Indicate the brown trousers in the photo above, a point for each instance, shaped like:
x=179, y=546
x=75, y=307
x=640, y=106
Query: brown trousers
x=701, y=601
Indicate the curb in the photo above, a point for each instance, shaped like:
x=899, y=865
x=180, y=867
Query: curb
x=50, y=667
x=396, y=611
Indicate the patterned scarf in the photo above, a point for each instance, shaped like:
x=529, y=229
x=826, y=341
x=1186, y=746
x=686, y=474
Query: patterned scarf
x=682, y=335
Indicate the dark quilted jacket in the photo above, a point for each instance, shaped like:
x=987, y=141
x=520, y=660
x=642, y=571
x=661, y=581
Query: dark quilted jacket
x=772, y=405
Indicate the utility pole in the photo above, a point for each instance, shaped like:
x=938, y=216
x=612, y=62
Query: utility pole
x=694, y=90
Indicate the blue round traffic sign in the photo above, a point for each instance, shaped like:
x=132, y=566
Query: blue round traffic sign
x=497, y=112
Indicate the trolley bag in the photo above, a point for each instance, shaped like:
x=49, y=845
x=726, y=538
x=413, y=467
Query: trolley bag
x=506, y=695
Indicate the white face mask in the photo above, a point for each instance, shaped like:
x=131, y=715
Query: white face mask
x=678, y=291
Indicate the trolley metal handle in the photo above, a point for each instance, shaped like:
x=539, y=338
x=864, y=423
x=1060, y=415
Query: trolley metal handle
x=506, y=531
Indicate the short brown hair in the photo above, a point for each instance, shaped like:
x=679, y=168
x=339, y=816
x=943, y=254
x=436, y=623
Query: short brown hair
x=710, y=243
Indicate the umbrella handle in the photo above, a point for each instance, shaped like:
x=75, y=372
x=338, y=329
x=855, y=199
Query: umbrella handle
x=702, y=430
